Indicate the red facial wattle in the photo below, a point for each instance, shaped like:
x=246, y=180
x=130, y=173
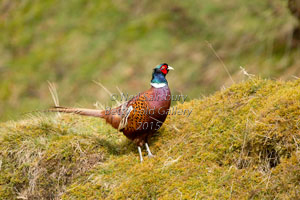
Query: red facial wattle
x=164, y=70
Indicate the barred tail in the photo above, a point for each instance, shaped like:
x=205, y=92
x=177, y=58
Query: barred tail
x=79, y=111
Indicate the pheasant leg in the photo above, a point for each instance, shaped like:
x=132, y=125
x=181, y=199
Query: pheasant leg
x=148, y=150
x=140, y=152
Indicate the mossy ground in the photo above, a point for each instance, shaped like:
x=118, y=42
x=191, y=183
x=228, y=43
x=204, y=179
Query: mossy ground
x=240, y=143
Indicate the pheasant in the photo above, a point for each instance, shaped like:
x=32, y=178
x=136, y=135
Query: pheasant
x=139, y=117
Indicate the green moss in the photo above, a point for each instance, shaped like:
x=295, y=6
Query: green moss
x=242, y=142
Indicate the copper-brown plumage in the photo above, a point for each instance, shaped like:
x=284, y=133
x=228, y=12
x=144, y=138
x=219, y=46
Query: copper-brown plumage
x=139, y=117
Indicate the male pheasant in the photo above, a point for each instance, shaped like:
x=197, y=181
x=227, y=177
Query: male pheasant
x=139, y=117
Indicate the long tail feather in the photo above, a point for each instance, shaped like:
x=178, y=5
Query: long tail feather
x=79, y=111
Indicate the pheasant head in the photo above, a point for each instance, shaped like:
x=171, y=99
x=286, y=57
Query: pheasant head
x=159, y=75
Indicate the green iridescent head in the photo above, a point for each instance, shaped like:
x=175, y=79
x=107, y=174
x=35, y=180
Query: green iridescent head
x=160, y=72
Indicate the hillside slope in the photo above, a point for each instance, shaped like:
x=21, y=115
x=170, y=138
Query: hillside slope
x=240, y=143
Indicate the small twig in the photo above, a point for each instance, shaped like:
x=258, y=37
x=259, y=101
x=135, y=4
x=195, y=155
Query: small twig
x=121, y=93
x=268, y=180
x=226, y=69
x=246, y=73
x=53, y=92
x=54, y=95
x=231, y=188
x=106, y=90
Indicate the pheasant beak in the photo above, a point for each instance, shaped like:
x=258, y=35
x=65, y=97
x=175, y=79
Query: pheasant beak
x=170, y=68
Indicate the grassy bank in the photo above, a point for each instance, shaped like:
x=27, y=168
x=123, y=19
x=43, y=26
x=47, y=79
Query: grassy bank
x=240, y=143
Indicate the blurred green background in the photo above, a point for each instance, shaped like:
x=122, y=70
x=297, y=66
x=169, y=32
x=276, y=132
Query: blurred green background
x=118, y=43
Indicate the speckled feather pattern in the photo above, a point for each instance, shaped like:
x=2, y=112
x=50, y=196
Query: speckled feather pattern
x=155, y=99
